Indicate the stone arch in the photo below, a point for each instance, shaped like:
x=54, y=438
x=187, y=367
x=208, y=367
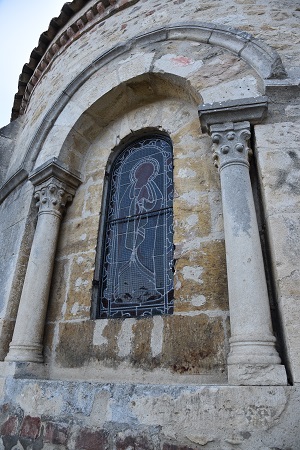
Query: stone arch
x=259, y=55
x=266, y=63
x=136, y=92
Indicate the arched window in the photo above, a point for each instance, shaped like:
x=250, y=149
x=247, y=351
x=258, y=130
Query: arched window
x=136, y=273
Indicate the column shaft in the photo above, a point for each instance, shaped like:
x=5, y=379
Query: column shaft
x=253, y=358
x=27, y=342
x=54, y=188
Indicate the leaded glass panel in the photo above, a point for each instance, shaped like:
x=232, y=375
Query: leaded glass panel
x=137, y=267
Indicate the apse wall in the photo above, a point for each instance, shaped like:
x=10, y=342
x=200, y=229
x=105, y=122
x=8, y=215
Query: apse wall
x=221, y=370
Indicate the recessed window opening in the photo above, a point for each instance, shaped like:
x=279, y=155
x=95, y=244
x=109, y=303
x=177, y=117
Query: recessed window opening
x=136, y=275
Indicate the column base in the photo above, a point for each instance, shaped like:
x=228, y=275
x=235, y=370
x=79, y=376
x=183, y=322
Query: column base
x=258, y=351
x=25, y=353
x=257, y=375
x=23, y=370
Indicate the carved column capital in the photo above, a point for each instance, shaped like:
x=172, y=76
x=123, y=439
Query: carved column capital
x=230, y=144
x=253, y=358
x=55, y=186
x=52, y=197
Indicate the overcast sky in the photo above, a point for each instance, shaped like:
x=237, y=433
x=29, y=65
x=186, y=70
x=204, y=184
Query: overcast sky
x=22, y=23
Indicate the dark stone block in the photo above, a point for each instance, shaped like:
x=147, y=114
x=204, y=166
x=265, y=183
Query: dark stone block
x=133, y=442
x=176, y=447
x=56, y=434
x=9, y=427
x=30, y=427
x=9, y=442
x=92, y=440
x=75, y=343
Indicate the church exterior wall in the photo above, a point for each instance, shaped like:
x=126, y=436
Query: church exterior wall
x=161, y=382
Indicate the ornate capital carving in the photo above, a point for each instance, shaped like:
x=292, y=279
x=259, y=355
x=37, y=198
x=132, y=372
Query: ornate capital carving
x=52, y=196
x=230, y=143
x=55, y=186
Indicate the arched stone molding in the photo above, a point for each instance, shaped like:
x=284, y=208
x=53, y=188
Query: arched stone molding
x=264, y=60
x=148, y=88
x=259, y=55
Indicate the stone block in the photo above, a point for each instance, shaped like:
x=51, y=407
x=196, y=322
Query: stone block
x=79, y=294
x=263, y=59
x=95, y=87
x=48, y=341
x=89, y=439
x=93, y=197
x=30, y=427
x=125, y=337
x=69, y=115
x=190, y=32
x=234, y=42
x=202, y=272
x=74, y=150
x=56, y=433
x=275, y=136
x=106, y=340
x=279, y=176
x=101, y=409
x=10, y=426
x=141, y=117
x=177, y=64
x=253, y=411
x=136, y=64
x=53, y=144
x=167, y=446
x=75, y=340
x=193, y=344
x=219, y=67
x=95, y=163
x=257, y=375
x=58, y=291
x=141, y=354
x=205, y=178
x=244, y=87
x=192, y=217
x=77, y=236
x=290, y=316
x=284, y=235
x=124, y=441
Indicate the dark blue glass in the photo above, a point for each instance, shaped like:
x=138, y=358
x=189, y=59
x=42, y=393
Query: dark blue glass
x=137, y=266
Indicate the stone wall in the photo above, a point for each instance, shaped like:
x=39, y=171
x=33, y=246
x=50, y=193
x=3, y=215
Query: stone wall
x=72, y=415
x=160, y=382
x=192, y=341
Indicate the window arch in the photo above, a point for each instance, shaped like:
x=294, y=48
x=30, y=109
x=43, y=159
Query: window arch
x=136, y=270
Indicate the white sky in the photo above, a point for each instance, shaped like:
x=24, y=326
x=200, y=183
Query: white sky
x=22, y=23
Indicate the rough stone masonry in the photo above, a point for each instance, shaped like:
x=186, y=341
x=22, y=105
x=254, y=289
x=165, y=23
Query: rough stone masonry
x=222, y=371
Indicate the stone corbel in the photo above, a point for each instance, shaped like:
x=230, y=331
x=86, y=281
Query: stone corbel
x=55, y=187
x=253, y=358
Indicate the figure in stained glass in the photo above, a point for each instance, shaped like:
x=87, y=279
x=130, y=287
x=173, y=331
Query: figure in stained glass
x=137, y=278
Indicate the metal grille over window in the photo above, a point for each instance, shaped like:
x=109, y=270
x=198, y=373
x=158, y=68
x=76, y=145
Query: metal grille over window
x=137, y=268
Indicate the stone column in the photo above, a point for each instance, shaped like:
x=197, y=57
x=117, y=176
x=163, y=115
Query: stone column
x=54, y=188
x=253, y=358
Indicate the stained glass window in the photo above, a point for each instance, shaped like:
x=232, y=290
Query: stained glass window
x=137, y=261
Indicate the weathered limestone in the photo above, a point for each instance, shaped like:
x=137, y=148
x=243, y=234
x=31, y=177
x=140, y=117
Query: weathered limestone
x=144, y=416
x=253, y=358
x=192, y=343
x=54, y=188
x=119, y=384
x=278, y=167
